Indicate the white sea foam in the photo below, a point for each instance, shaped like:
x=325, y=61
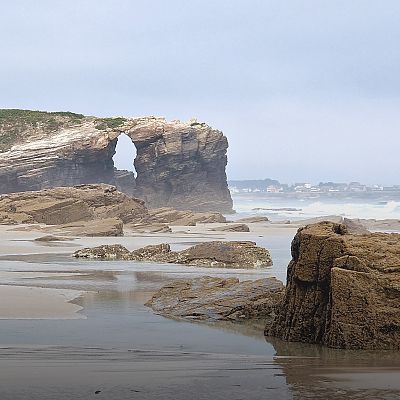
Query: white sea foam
x=307, y=208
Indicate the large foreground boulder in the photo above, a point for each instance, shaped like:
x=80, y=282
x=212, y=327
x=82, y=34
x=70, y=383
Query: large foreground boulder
x=211, y=299
x=343, y=290
x=66, y=205
x=208, y=254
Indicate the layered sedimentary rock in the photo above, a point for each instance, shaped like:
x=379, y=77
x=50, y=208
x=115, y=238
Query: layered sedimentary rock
x=66, y=205
x=175, y=217
x=208, y=254
x=232, y=228
x=211, y=299
x=178, y=164
x=343, y=290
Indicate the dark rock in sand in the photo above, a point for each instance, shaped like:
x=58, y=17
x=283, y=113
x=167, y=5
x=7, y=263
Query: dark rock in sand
x=51, y=238
x=105, y=252
x=252, y=220
x=232, y=228
x=175, y=217
x=343, y=290
x=208, y=254
x=94, y=228
x=211, y=299
x=148, y=228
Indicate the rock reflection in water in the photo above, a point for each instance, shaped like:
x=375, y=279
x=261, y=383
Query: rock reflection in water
x=319, y=372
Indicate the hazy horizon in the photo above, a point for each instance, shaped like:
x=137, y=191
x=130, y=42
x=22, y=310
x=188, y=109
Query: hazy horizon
x=304, y=91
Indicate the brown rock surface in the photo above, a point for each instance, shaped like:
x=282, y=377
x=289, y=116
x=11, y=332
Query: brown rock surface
x=105, y=252
x=65, y=205
x=175, y=217
x=232, y=228
x=211, y=299
x=343, y=290
x=93, y=228
x=208, y=254
x=51, y=238
x=252, y=220
x=150, y=227
x=178, y=164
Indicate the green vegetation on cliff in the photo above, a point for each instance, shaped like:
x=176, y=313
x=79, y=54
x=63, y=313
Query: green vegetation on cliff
x=16, y=124
x=104, y=123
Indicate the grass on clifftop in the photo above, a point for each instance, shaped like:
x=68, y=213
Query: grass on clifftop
x=104, y=123
x=16, y=124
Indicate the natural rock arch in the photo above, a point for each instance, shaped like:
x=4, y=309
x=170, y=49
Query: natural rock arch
x=178, y=164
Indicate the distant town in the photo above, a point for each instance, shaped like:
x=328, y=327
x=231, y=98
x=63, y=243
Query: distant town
x=274, y=186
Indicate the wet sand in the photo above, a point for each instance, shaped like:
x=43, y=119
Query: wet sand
x=122, y=350
x=19, y=302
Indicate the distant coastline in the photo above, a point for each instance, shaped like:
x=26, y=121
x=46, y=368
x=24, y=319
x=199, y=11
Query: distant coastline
x=274, y=186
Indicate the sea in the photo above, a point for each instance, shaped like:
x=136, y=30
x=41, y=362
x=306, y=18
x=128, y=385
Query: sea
x=299, y=206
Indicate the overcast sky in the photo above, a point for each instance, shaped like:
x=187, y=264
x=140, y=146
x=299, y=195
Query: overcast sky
x=304, y=89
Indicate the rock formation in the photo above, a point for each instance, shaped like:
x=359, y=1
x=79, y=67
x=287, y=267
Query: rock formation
x=252, y=220
x=208, y=254
x=212, y=299
x=232, y=228
x=180, y=165
x=343, y=290
x=174, y=217
x=68, y=205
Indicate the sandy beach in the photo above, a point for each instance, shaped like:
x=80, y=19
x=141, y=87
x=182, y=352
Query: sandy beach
x=86, y=320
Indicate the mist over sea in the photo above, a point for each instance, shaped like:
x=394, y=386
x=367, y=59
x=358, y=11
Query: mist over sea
x=295, y=207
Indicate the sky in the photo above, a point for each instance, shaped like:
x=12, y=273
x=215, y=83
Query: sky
x=305, y=90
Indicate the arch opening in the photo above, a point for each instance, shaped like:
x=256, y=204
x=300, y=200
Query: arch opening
x=124, y=168
x=125, y=154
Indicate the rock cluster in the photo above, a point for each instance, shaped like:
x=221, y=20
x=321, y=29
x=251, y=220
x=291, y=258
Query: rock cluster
x=343, y=290
x=89, y=210
x=211, y=299
x=178, y=164
x=208, y=254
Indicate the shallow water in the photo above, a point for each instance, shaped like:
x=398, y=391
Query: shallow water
x=125, y=351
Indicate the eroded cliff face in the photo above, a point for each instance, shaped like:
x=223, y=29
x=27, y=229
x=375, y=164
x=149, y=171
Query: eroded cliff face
x=343, y=290
x=181, y=165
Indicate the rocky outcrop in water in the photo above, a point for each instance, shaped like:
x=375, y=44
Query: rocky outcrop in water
x=178, y=164
x=212, y=299
x=343, y=290
x=208, y=254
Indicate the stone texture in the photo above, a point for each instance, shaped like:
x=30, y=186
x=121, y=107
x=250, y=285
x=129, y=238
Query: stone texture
x=105, y=252
x=151, y=227
x=343, y=290
x=178, y=164
x=65, y=205
x=232, y=228
x=252, y=220
x=208, y=254
x=95, y=228
x=175, y=217
x=51, y=238
x=211, y=299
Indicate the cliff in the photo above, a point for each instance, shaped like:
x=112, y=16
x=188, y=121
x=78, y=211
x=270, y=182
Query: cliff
x=178, y=164
x=343, y=289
